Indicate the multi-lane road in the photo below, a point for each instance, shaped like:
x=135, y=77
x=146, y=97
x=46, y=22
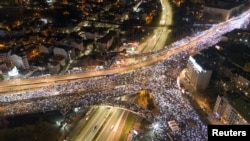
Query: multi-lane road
x=106, y=123
x=159, y=39
x=103, y=123
x=28, y=84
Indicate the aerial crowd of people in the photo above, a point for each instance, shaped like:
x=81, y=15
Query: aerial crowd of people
x=159, y=78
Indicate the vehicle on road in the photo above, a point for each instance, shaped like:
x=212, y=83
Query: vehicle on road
x=112, y=127
x=95, y=127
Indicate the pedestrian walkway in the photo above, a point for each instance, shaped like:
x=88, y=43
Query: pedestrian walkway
x=201, y=102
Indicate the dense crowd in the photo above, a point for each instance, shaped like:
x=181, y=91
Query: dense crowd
x=159, y=78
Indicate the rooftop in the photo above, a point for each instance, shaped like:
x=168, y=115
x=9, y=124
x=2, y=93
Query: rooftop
x=224, y=4
x=239, y=103
x=207, y=59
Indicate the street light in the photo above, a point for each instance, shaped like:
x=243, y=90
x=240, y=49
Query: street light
x=69, y=52
x=135, y=132
x=155, y=126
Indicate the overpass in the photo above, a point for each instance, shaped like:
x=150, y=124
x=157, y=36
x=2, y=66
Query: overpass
x=66, y=107
x=141, y=60
x=188, y=43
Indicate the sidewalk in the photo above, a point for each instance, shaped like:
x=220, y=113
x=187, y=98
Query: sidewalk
x=214, y=121
x=203, y=105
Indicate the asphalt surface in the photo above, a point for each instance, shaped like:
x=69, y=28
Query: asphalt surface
x=103, y=123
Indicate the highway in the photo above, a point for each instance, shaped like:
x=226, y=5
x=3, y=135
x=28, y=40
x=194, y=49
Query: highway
x=93, y=123
x=113, y=127
x=102, y=124
x=99, y=123
x=16, y=85
x=214, y=32
x=158, y=39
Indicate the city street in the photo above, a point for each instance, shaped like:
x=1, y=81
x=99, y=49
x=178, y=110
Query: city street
x=29, y=84
x=155, y=68
x=216, y=31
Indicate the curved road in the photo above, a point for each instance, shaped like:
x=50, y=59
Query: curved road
x=28, y=84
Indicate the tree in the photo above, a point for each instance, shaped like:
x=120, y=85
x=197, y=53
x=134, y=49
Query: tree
x=1, y=77
x=150, y=105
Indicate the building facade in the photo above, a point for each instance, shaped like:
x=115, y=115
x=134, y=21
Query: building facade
x=20, y=60
x=197, y=76
x=232, y=110
x=224, y=9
